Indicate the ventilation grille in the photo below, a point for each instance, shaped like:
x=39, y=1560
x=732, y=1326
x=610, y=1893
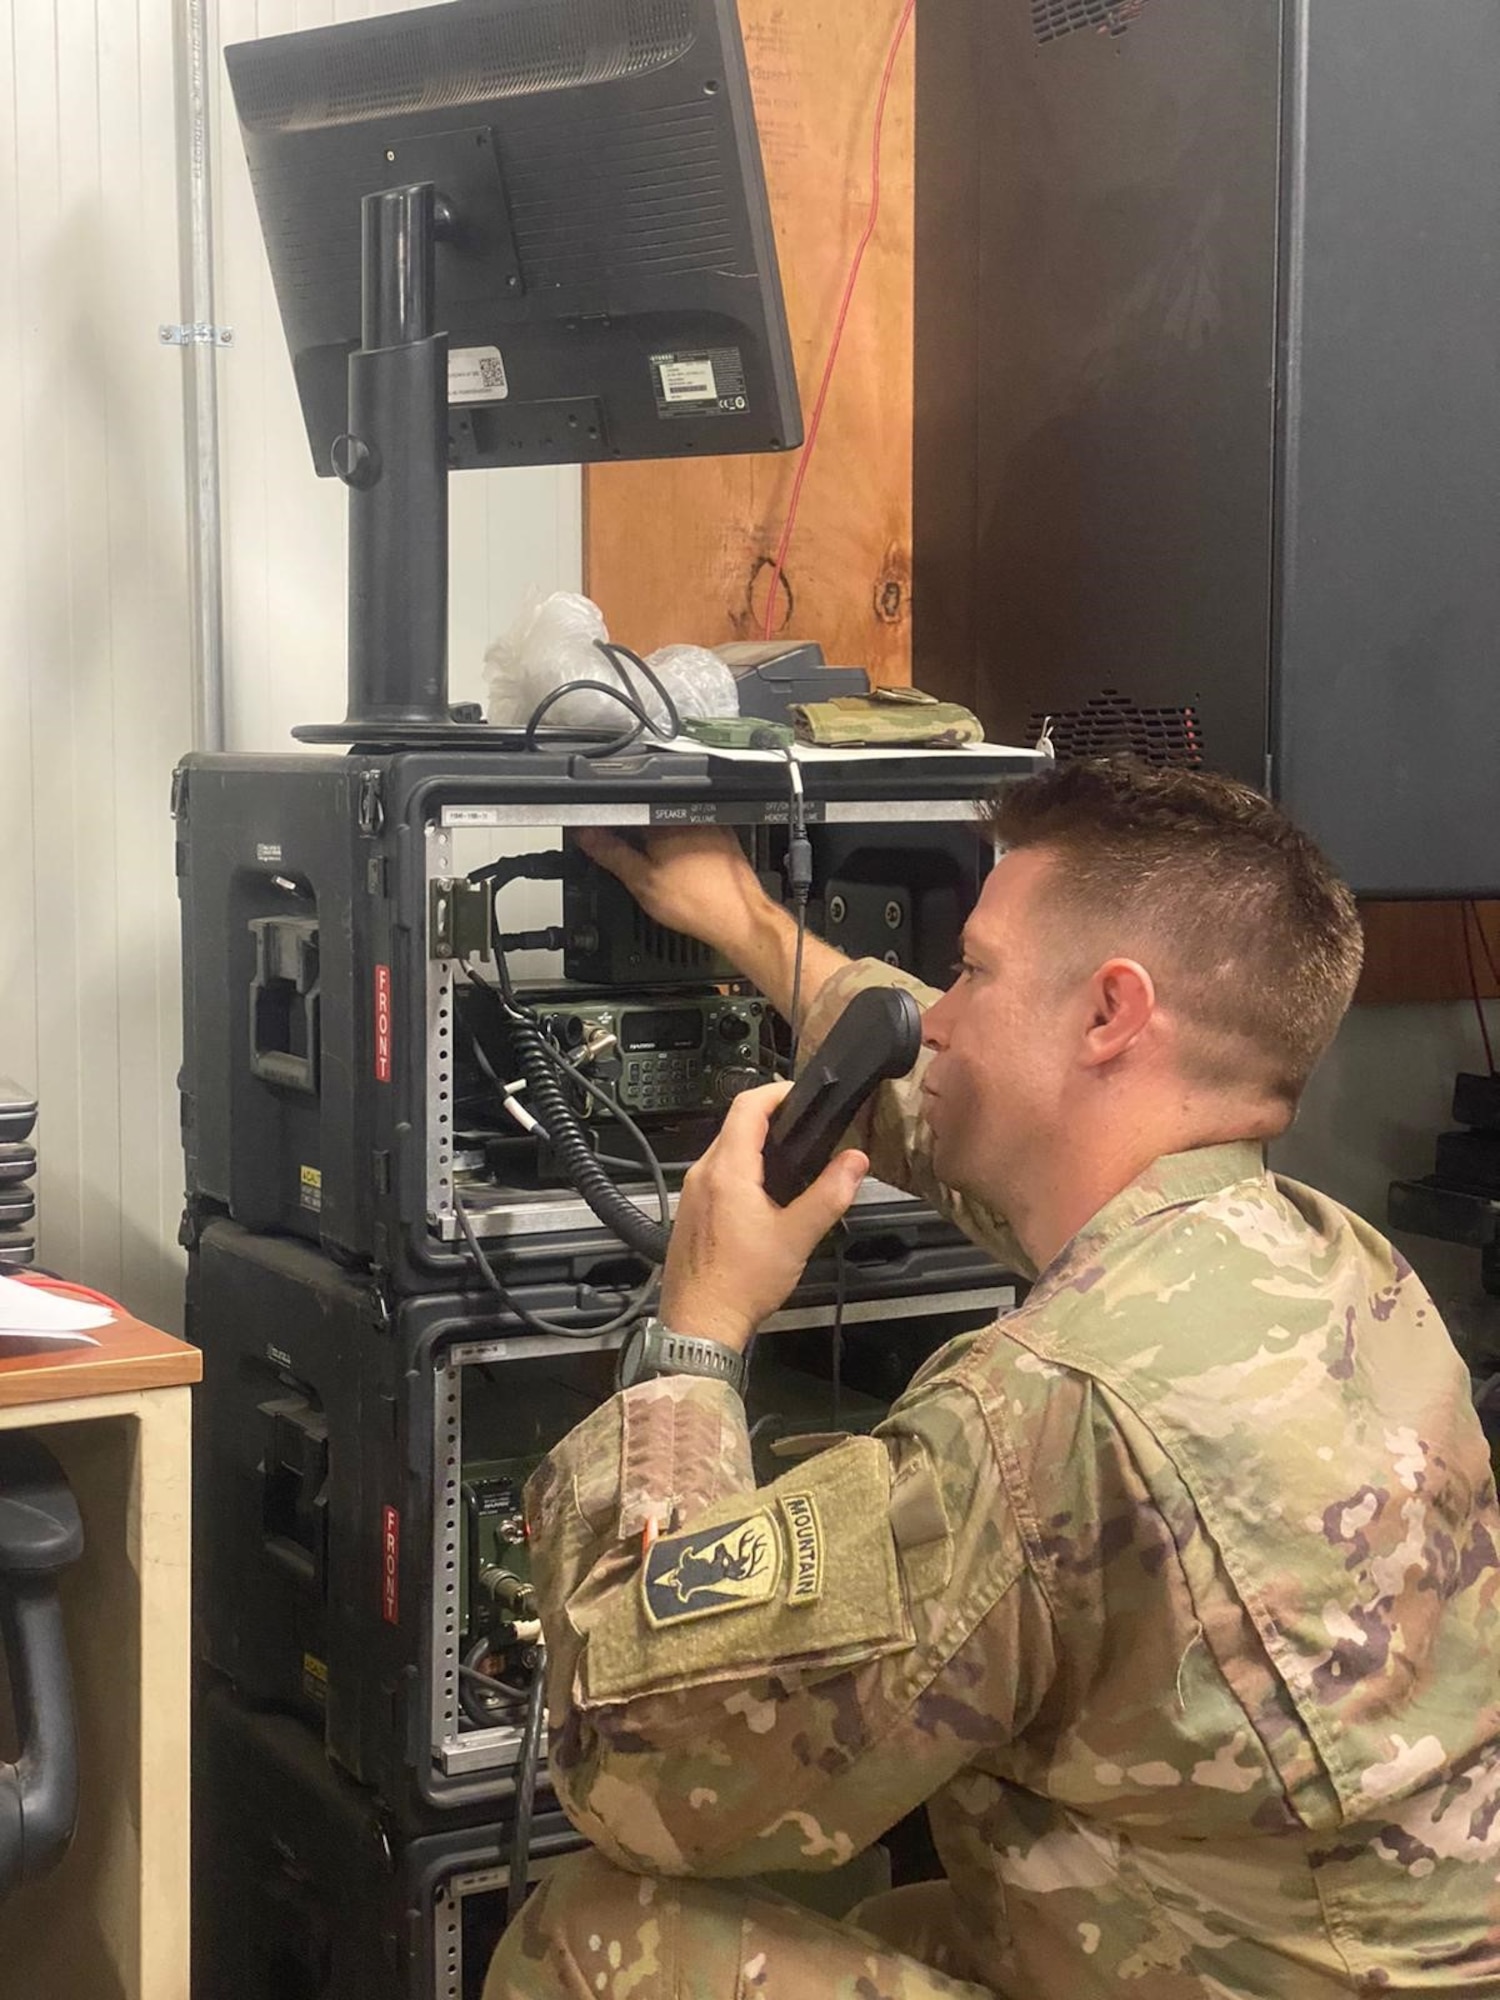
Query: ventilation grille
x=660, y=951
x=1110, y=724
x=1052, y=19
x=593, y=197
x=462, y=55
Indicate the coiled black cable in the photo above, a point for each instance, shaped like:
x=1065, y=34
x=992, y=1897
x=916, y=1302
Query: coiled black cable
x=543, y=1068
x=616, y=745
x=671, y=725
x=549, y=1102
x=644, y=723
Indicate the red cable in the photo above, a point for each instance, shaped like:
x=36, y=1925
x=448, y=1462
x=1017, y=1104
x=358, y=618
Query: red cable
x=1485, y=941
x=1484, y=1032
x=816, y=423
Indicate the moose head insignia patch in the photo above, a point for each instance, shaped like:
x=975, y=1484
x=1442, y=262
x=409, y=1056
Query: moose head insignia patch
x=708, y=1570
x=715, y=1569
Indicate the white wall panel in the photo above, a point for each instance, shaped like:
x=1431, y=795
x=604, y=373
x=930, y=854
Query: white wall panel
x=94, y=632
x=284, y=528
x=95, y=622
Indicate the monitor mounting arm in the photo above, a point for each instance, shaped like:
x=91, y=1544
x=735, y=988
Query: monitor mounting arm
x=394, y=460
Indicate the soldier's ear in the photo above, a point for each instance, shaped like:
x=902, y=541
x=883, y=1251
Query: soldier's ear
x=1122, y=1000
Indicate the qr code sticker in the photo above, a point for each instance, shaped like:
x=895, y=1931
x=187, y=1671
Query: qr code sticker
x=477, y=375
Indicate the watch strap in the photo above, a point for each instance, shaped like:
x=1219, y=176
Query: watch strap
x=664, y=1352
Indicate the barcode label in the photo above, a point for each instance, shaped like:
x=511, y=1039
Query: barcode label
x=702, y=382
x=476, y=375
x=689, y=381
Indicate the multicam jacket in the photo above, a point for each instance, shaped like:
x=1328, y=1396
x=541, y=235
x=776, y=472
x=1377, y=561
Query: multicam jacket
x=1173, y=1593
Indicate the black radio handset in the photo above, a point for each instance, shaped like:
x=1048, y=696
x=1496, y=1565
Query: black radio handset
x=878, y=1036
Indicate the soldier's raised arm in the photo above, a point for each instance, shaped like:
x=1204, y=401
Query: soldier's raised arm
x=698, y=881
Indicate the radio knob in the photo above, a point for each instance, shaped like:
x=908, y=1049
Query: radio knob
x=733, y=1028
x=730, y=1082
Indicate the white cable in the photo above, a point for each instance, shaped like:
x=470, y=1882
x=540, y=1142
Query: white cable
x=524, y=1118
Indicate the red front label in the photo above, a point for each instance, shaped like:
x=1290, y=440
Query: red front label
x=390, y=1566
x=382, y=1024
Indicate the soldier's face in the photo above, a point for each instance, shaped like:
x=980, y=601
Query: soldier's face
x=996, y=1089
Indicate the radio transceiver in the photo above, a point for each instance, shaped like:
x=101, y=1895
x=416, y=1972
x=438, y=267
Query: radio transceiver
x=673, y=1055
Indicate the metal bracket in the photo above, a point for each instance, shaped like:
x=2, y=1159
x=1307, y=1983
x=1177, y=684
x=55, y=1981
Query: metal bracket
x=460, y=919
x=381, y=1311
x=198, y=334
x=371, y=804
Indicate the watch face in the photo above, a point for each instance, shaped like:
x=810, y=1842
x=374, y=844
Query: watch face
x=627, y=1369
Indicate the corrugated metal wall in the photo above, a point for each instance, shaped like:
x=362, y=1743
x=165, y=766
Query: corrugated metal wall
x=95, y=700
x=284, y=528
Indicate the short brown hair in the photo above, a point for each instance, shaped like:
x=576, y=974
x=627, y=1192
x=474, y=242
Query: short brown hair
x=1256, y=942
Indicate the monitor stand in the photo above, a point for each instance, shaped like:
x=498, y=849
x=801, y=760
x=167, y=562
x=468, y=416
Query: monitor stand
x=394, y=460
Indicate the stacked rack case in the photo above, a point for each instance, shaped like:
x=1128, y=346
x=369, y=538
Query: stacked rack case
x=371, y=1408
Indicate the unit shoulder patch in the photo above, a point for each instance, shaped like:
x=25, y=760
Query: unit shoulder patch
x=698, y=1575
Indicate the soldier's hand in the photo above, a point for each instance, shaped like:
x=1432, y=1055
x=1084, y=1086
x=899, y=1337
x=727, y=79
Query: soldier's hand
x=735, y=1256
x=696, y=880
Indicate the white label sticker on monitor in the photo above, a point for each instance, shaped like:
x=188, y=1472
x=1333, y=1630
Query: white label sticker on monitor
x=688, y=380
x=701, y=382
x=476, y=375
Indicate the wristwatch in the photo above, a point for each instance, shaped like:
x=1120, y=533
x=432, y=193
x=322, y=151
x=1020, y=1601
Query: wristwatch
x=652, y=1349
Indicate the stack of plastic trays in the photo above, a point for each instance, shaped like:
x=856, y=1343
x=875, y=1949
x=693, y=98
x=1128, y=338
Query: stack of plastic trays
x=17, y=1175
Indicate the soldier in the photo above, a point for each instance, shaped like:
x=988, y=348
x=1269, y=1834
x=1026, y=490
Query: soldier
x=1172, y=1594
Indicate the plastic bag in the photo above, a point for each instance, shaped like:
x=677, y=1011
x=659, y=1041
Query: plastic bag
x=550, y=643
x=697, y=680
x=553, y=642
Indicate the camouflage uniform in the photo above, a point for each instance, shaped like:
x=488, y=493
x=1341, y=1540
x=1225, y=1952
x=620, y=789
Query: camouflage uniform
x=1173, y=1593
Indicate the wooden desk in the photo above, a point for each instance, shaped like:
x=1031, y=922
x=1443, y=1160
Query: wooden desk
x=111, y=1922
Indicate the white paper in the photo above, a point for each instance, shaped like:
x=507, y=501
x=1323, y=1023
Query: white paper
x=825, y=753
x=38, y=1337
x=30, y=1312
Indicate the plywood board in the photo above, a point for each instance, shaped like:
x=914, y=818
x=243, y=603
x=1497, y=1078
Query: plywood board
x=111, y=1920
x=685, y=551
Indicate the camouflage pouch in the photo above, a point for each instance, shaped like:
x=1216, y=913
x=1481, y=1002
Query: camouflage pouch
x=887, y=718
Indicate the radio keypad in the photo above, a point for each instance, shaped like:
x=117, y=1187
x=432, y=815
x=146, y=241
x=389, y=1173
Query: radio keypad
x=667, y=1078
